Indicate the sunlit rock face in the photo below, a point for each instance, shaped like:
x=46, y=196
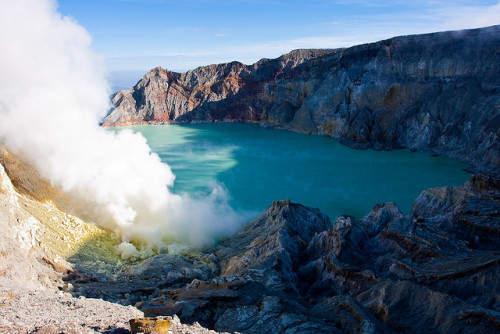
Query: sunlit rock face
x=163, y=96
x=435, y=91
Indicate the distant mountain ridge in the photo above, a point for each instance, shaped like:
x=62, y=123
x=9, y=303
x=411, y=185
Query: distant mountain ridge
x=162, y=96
x=438, y=92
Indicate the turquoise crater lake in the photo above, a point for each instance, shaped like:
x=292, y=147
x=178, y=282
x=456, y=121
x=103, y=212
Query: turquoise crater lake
x=257, y=166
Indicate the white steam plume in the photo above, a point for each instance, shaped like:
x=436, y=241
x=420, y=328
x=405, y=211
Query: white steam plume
x=52, y=96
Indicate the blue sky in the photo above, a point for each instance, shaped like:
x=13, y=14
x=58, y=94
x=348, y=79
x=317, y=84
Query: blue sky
x=134, y=36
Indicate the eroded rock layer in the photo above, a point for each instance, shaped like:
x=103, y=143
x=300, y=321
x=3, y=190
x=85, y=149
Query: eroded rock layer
x=436, y=92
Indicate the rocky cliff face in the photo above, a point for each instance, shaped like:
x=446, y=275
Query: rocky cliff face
x=437, y=92
x=162, y=96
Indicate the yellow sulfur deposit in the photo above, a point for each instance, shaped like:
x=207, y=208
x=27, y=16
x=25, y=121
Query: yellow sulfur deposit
x=158, y=325
x=58, y=234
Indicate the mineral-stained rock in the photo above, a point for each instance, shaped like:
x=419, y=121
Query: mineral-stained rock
x=35, y=240
x=35, y=236
x=158, y=325
x=437, y=92
x=137, y=282
x=163, y=96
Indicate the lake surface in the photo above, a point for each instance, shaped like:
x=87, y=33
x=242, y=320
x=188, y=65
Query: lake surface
x=257, y=166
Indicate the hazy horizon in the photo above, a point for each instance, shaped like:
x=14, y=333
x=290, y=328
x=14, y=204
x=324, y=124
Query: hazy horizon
x=126, y=79
x=138, y=35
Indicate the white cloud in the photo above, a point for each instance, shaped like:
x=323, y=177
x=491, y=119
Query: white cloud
x=466, y=17
x=52, y=95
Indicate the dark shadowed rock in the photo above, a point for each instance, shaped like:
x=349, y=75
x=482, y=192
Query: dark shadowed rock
x=257, y=288
x=407, y=307
x=380, y=216
x=350, y=315
x=472, y=211
x=273, y=244
x=290, y=271
x=343, y=223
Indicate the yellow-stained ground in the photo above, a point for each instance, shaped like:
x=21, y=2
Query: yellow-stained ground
x=60, y=235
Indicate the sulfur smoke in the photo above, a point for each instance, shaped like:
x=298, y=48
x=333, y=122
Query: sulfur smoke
x=52, y=95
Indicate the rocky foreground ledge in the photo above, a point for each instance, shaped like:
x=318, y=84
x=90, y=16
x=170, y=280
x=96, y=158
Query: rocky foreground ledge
x=291, y=270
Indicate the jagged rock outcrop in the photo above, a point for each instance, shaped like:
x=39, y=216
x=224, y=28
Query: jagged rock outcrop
x=437, y=92
x=290, y=270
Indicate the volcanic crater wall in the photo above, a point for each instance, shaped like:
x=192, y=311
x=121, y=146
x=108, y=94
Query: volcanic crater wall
x=438, y=92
